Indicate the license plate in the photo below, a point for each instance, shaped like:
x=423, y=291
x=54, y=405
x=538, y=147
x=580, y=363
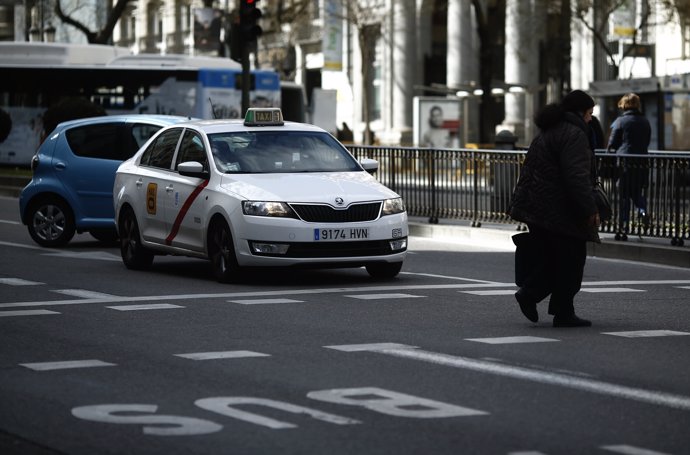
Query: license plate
x=341, y=234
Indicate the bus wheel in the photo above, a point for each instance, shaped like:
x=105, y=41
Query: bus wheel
x=50, y=222
x=221, y=251
x=134, y=255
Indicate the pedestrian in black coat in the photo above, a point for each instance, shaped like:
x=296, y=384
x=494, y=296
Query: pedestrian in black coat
x=554, y=198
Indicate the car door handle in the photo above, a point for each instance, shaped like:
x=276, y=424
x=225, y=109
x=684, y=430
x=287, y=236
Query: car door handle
x=169, y=188
x=139, y=182
x=60, y=165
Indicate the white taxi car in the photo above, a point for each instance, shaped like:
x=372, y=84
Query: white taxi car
x=258, y=192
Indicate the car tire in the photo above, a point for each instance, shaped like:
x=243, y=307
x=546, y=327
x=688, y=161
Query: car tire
x=221, y=251
x=50, y=222
x=384, y=270
x=105, y=235
x=134, y=255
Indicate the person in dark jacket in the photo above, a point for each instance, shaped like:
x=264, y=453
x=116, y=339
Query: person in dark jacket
x=554, y=198
x=631, y=134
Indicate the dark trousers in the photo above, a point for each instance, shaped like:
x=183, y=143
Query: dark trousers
x=557, y=270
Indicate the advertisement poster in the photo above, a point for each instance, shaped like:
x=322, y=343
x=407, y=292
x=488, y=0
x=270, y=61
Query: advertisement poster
x=437, y=122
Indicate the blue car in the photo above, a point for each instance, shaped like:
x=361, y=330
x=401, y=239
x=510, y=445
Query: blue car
x=73, y=174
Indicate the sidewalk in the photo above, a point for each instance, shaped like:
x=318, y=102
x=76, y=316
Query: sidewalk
x=646, y=249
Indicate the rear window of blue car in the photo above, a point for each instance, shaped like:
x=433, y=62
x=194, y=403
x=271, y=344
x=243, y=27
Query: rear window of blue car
x=109, y=141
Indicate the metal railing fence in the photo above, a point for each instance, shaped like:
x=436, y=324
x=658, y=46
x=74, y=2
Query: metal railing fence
x=476, y=185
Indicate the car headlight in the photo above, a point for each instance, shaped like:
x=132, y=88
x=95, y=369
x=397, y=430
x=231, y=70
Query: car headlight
x=261, y=208
x=393, y=206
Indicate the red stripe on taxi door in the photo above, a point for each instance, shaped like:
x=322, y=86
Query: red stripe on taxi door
x=183, y=211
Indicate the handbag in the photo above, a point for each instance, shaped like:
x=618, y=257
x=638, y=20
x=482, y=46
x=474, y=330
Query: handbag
x=528, y=257
x=602, y=201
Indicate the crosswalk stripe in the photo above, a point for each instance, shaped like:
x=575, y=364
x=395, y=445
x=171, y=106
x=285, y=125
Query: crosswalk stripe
x=616, y=290
x=265, y=301
x=83, y=293
x=646, y=333
x=491, y=292
x=631, y=450
x=151, y=306
x=384, y=296
x=18, y=282
x=221, y=355
x=512, y=340
x=47, y=366
x=26, y=313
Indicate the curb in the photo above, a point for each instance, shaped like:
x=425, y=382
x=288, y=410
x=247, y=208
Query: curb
x=647, y=250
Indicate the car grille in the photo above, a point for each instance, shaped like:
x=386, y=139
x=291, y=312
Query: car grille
x=339, y=249
x=327, y=214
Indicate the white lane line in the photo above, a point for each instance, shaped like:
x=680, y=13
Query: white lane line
x=286, y=292
x=47, y=366
x=26, y=313
x=18, y=282
x=221, y=355
x=150, y=306
x=646, y=333
x=491, y=292
x=83, y=293
x=683, y=287
x=384, y=296
x=631, y=450
x=528, y=452
x=544, y=377
x=371, y=347
x=264, y=301
x=459, y=278
x=10, y=222
x=616, y=290
x=96, y=255
x=512, y=340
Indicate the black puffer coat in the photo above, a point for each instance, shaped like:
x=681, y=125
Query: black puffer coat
x=554, y=190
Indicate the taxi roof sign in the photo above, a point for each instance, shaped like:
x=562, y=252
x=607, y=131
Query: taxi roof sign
x=263, y=116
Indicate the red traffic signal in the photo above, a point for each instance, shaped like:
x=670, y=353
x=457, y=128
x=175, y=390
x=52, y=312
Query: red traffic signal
x=249, y=18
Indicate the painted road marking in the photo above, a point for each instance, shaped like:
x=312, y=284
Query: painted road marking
x=631, y=450
x=384, y=296
x=264, y=301
x=10, y=222
x=221, y=355
x=647, y=333
x=617, y=290
x=150, y=306
x=512, y=340
x=95, y=255
x=47, y=366
x=18, y=282
x=27, y=313
x=544, y=377
x=83, y=293
x=294, y=292
x=491, y=292
x=372, y=347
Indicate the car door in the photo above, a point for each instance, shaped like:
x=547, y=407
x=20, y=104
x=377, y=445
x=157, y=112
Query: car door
x=153, y=183
x=89, y=174
x=185, y=209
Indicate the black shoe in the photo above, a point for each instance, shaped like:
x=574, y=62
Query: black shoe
x=528, y=308
x=570, y=321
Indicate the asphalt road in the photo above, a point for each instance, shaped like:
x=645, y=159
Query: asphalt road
x=97, y=359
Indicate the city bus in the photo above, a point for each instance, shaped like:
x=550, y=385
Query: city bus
x=36, y=76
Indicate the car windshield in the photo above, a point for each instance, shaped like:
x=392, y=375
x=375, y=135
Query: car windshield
x=280, y=152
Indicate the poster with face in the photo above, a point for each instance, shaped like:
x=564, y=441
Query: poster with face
x=437, y=122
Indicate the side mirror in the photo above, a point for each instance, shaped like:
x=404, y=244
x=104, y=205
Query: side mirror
x=369, y=165
x=193, y=169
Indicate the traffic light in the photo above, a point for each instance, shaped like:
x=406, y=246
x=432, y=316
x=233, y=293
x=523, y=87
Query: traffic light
x=250, y=30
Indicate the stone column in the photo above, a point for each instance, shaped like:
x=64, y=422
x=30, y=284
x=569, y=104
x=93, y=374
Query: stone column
x=461, y=64
x=403, y=67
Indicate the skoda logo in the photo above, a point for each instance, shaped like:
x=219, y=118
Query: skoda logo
x=339, y=201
